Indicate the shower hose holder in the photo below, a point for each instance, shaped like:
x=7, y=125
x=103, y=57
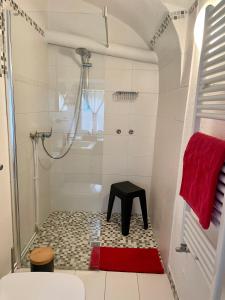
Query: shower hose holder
x=183, y=248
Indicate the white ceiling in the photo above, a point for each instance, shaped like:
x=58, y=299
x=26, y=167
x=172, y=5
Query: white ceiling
x=179, y=3
x=143, y=16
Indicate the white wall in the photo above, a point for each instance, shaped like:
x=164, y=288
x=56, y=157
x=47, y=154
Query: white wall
x=31, y=113
x=189, y=280
x=130, y=157
x=170, y=117
x=36, y=9
x=114, y=157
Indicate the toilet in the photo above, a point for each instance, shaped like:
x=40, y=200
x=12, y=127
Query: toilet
x=41, y=286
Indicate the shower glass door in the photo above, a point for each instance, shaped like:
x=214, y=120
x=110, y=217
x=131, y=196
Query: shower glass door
x=76, y=185
x=59, y=200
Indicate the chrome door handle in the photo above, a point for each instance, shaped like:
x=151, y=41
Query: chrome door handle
x=1, y=167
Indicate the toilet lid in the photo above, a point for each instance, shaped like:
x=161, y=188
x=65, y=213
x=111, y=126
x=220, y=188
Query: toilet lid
x=41, y=286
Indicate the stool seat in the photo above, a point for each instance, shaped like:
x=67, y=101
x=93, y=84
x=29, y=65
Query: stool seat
x=127, y=191
x=127, y=188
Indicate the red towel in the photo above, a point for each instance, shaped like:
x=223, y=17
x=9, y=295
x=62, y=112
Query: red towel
x=202, y=163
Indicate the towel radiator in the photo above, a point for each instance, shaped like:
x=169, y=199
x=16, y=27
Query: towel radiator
x=210, y=104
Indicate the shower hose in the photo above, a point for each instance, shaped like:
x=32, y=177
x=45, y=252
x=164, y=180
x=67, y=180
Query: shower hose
x=76, y=118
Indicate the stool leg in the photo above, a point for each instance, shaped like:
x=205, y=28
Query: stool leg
x=110, y=205
x=126, y=209
x=144, y=209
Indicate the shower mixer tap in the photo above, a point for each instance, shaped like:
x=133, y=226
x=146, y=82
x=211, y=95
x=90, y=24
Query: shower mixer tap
x=41, y=134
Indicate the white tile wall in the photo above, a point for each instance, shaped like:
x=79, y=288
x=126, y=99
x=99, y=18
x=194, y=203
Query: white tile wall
x=36, y=9
x=118, y=79
x=132, y=153
x=171, y=110
x=31, y=113
x=119, y=157
x=189, y=280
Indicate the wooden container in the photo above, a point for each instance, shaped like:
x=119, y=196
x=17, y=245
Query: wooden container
x=42, y=260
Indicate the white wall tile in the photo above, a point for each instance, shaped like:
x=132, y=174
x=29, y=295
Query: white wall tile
x=33, y=41
x=171, y=109
x=114, y=122
x=138, y=145
x=112, y=106
x=30, y=97
x=173, y=103
x=166, y=81
x=143, y=126
x=144, y=66
x=139, y=165
x=118, y=80
x=30, y=67
x=110, y=74
x=52, y=74
x=115, y=145
x=115, y=164
x=145, y=81
x=52, y=55
x=117, y=63
x=145, y=104
x=66, y=57
x=38, y=121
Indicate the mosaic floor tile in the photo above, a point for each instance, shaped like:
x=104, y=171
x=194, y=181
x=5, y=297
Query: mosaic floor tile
x=73, y=234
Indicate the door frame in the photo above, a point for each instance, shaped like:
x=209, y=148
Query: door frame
x=10, y=107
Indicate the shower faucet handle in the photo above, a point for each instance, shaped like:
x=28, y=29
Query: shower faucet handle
x=1, y=167
x=47, y=134
x=131, y=131
x=41, y=134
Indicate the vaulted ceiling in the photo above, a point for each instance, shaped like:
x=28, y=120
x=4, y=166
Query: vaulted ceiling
x=133, y=22
x=143, y=16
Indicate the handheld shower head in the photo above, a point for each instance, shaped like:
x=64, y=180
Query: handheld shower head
x=85, y=56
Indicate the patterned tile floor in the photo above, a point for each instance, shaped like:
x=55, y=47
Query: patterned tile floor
x=72, y=235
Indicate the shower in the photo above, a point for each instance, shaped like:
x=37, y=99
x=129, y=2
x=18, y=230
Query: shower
x=85, y=56
x=82, y=93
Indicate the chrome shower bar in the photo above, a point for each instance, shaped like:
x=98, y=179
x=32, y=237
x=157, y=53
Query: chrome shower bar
x=105, y=16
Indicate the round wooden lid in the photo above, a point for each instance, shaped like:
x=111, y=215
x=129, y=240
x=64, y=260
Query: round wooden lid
x=41, y=256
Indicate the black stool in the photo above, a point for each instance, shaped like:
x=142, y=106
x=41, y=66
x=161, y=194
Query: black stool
x=127, y=191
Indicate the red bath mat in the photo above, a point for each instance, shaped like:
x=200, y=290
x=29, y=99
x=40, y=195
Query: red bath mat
x=136, y=260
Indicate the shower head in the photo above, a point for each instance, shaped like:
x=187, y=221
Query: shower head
x=85, y=56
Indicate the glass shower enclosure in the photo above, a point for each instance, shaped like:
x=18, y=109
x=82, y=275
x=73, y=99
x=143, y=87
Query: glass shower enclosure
x=47, y=121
